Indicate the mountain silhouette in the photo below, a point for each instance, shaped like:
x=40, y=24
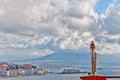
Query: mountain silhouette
x=66, y=57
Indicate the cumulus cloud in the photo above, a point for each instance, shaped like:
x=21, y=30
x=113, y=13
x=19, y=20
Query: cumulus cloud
x=21, y=54
x=111, y=22
x=53, y=25
x=46, y=17
x=41, y=53
x=109, y=37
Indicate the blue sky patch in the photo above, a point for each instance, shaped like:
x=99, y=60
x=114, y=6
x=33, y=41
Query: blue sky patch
x=102, y=5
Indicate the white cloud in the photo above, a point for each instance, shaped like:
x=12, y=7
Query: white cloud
x=41, y=53
x=111, y=22
x=108, y=40
x=42, y=17
x=60, y=24
x=76, y=41
x=108, y=48
x=1, y=12
x=21, y=54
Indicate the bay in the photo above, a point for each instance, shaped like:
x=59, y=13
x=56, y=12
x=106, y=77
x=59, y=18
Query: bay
x=108, y=71
x=47, y=77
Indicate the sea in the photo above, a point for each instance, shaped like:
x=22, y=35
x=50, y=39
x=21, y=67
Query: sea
x=107, y=70
x=49, y=77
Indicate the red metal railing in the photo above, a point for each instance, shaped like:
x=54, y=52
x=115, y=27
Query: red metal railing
x=98, y=77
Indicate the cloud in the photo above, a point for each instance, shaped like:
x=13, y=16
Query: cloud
x=57, y=25
x=35, y=17
x=21, y=54
x=112, y=19
x=76, y=41
x=109, y=37
x=23, y=47
x=41, y=53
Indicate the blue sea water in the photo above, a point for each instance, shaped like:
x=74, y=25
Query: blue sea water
x=49, y=77
x=106, y=70
x=63, y=76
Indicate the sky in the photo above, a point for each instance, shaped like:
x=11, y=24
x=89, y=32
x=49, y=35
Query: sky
x=36, y=28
